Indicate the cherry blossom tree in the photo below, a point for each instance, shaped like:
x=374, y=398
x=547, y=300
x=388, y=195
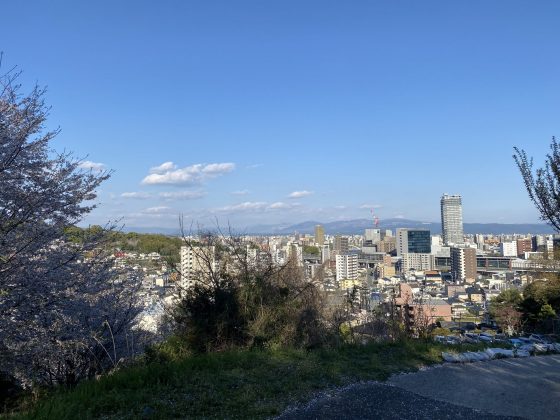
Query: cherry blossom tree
x=65, y=312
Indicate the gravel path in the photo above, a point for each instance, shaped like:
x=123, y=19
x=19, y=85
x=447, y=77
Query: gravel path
x=499, y=389
x=384, y=402
x=528, y=387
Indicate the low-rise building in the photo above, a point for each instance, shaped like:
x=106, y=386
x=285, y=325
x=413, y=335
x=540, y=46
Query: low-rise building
x=421, y=311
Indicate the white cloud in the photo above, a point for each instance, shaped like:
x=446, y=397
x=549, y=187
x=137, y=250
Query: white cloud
x=94, y=166
x=194, y=174
x=371, y=206
x=258, y=206
x=158, y=210
x=246, y=206
x=281, y=206
x=216, y=168
x=254, y=166
x=240, y=192
x=137, y=195
x=163, y=168
x=182, y=195
x=399, y=216
x=300, y=194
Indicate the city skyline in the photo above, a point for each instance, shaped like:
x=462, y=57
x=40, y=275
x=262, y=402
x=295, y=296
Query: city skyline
x=223, y=209
x=281, y=114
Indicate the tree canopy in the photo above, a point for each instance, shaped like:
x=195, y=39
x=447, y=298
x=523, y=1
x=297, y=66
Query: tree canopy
x=62, y=303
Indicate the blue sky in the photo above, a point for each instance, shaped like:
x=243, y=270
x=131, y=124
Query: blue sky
x=350, y=105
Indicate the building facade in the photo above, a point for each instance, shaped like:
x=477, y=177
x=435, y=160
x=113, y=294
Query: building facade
x=524, y=245
x=463, y=264
x=413, y=241
x=387, y=244
x=341, y=244
x=508, y=249
x=196, y=264
x=319, y=235
x=372, y=236
x=452, y=219
x=346, y=267
x=418, y=262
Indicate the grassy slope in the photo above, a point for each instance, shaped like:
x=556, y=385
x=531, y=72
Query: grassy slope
x=234, y=384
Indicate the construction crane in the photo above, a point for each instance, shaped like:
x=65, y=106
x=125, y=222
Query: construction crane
x=375, y=219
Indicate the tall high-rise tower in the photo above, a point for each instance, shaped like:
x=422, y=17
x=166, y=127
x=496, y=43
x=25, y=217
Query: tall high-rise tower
x=452, y=219
x=319, y=235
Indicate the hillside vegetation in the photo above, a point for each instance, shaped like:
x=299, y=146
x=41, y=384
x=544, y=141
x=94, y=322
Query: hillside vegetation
x=232, y=384
x=145, y=243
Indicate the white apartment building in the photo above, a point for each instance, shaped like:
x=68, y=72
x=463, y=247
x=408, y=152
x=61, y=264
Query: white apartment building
x=418, y=262
x=196, y=262
x=508, y=249
x=479, y=239
x=252, y=256
x=346, y=267
x=325, y=253
x=373, y=235
x=294, y=251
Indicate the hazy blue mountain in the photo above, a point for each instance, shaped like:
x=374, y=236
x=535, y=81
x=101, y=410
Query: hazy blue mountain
x=357, y=226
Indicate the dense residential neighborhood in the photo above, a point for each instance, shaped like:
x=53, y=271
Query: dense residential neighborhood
x=450, y=279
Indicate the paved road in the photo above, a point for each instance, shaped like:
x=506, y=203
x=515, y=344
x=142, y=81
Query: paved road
x=511, y=388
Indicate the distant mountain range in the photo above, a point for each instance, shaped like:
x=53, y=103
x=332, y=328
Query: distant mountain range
x=357, y=226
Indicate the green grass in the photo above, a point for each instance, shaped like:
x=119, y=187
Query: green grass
x=233, y=384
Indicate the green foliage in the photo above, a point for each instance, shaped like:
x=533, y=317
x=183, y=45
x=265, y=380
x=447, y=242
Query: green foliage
x=509, y=296
x=210, y=319
x=535, y=309
x=231, y=384
x=311, y=250
x=505, y=310
x=174, y=348
x=79, y=235
x=541, y=304
x=441, y=331
x=542, y=298
x=546, y=312
x=167, y=246
x=255, y=307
